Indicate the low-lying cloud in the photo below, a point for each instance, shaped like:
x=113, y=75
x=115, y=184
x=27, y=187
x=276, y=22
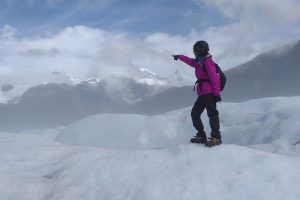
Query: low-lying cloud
x=84, y=52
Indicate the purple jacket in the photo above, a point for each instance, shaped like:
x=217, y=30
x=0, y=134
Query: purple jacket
x=213, y=86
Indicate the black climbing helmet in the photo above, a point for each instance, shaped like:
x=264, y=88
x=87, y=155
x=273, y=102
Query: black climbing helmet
x=201, y=47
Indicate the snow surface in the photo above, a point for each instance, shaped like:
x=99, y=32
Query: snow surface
x=9, y=96
x=271, y=124
x=137, y=157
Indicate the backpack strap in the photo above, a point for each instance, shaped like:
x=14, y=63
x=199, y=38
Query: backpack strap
x=200, y=81
x=203, y=64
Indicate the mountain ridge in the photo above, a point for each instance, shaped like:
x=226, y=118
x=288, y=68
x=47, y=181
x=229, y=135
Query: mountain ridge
x=275, y=73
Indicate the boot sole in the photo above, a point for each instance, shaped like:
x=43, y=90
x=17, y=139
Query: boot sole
x=197, y=141
x=207, y=144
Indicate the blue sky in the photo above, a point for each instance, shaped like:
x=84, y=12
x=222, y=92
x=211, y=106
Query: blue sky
x=136, y=16
x=85, y=38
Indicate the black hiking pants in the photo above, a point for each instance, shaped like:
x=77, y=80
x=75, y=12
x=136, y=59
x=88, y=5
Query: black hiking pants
x=206, y=101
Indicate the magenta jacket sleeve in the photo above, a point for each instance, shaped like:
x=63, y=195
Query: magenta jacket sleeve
x=213, y=76
x=187, y=60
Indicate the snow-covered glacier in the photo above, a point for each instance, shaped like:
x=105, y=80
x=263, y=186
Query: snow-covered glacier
x=140, y=157
x=270, y=123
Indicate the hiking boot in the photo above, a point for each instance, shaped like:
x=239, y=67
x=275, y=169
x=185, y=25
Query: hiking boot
x=214, y=141
x=200, y=138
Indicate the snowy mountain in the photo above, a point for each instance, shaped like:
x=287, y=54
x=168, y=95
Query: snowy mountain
x=13, y=87
x=151, y=78
x=10, y=93
x=67, y=99
x=52, y=105
x=140, y=157
x=274, y=73
x=56, y=104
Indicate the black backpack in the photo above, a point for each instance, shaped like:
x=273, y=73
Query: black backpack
x=221, y=75
x=219, y=72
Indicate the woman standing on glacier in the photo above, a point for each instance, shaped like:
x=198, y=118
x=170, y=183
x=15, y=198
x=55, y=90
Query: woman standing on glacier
x=208, y=91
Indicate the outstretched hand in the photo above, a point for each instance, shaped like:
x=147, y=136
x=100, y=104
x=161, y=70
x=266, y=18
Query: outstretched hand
x=175, y=57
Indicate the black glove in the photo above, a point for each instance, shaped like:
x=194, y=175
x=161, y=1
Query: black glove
x=217, y=98
x=175, y=57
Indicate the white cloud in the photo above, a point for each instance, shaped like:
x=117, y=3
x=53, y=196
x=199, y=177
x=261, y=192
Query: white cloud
x=83, y=52
x=255, y=26
x=7, y=32
x=280, y=10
